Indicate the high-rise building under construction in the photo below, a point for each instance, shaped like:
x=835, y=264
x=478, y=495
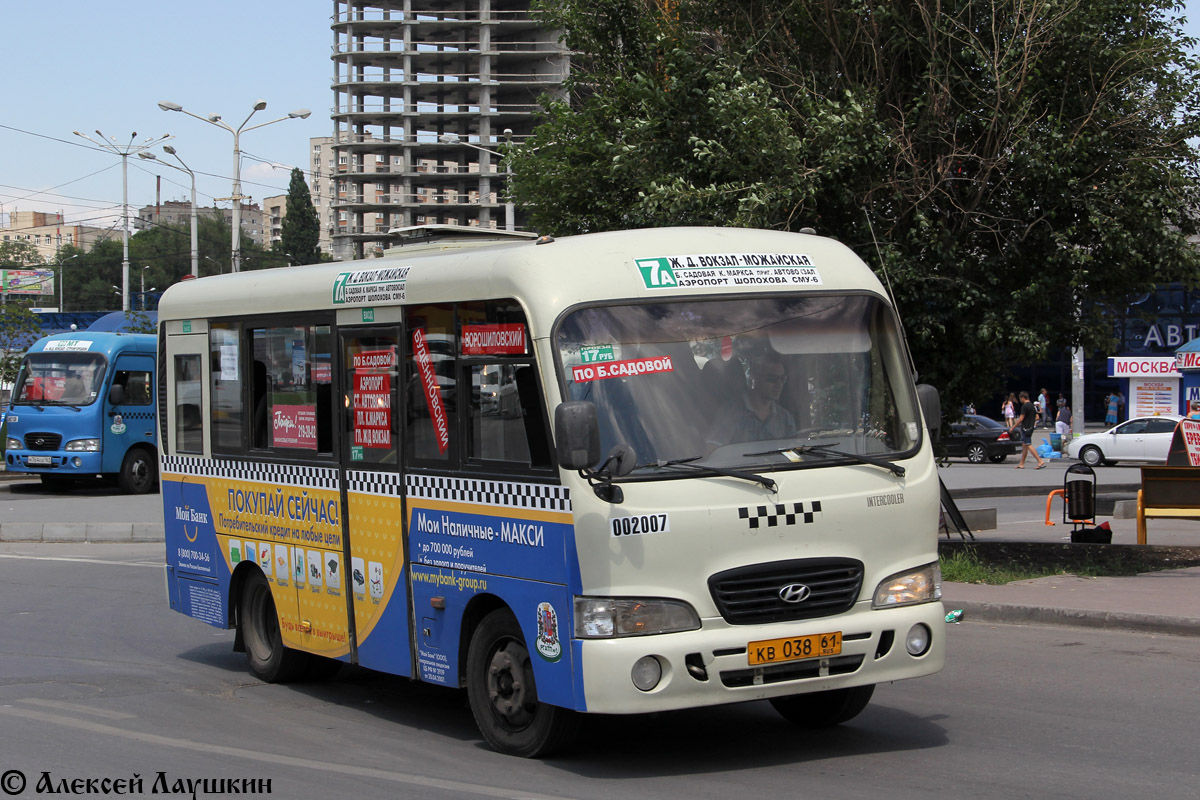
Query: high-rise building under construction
x=427, y=92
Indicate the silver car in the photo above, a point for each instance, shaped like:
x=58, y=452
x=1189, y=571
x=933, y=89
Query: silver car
x=1139, y=439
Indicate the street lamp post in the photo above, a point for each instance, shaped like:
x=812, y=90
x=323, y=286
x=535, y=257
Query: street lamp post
x=195, y=236
x=215, y=119
x=124, y=151
x=143, y=292
x=509, y=206
x=62, y=302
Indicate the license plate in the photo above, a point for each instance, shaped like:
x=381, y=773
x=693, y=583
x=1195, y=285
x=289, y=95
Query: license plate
x=39, y=461
x=794, y=648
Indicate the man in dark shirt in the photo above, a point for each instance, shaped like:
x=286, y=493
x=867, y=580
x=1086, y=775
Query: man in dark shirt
x=1025, y=423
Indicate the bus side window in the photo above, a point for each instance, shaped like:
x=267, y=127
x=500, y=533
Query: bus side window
x=431, y=388
x=189, y=422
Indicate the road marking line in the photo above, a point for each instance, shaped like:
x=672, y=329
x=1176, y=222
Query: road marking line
x=278, y=760
x=84, y=560
x=82, y=709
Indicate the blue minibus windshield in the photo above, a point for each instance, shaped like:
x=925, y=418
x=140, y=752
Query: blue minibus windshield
x=60, y=379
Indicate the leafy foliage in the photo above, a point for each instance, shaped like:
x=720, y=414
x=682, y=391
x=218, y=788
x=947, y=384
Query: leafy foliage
x=301, y=234
x=19, y=328
x=1019, y=162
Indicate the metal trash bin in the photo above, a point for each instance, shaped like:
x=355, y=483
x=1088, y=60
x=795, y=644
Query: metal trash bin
x=1079, y=488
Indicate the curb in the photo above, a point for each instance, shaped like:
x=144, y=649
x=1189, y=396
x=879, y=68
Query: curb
x=1077, y=618
x=82, y=532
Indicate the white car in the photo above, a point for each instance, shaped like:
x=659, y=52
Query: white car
x=1139, y=439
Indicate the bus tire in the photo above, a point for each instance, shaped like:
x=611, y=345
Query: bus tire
x=139, y=471
x=269, y=660
x=503, y=696
x=824, y=709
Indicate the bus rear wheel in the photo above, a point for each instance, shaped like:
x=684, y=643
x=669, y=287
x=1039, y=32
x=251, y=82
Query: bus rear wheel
x=138, y=471
x=824, y=709
x=503, y=695
x=269, y=660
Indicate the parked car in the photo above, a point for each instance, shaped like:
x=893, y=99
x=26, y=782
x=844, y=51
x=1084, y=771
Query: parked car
x=1139, y=439
x=977, y=438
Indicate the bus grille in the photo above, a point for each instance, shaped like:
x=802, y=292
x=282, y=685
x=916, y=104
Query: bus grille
x=752, y=595
x=42, y=441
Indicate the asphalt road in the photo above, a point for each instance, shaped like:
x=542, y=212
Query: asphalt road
x=99, y=679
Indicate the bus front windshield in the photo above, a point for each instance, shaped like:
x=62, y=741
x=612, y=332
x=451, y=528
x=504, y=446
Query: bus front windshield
x=59, y=379
x=776, y=382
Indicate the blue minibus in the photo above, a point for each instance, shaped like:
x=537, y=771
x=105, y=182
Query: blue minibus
x=83, y=407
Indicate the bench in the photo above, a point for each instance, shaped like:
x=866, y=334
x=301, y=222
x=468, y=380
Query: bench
x=1167, y=492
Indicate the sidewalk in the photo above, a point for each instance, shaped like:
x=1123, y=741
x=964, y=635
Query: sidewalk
x=1154, y=602
x=1166, y=602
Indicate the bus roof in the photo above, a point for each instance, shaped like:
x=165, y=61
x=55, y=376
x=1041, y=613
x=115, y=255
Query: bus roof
x=547, y=275
x=106, y=342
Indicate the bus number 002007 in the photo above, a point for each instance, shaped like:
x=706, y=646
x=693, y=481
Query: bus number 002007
x=638, y=524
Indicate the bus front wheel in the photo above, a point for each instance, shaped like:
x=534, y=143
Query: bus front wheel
x=824, y=709
x=503, y=696
x=138, y=471
x=269, y=660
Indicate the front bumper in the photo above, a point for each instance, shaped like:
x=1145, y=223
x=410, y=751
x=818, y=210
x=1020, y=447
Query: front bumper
x=53, y=462
x=710, y=666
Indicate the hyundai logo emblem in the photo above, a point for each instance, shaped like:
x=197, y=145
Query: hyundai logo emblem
x=794, y=593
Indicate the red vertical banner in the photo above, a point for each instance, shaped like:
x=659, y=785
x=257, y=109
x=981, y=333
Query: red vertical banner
x=373, y=398
x=433, y=394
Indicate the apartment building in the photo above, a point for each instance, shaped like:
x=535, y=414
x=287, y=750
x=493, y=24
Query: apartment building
x=425, y=92
x=48, y=232
x=179, y=212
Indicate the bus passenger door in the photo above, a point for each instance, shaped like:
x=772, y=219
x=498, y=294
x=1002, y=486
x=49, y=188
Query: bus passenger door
x=376, y=574
x=131, y=421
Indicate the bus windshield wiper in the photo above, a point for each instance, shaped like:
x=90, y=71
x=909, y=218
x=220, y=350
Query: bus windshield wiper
x=829, y=450
x=686, y=463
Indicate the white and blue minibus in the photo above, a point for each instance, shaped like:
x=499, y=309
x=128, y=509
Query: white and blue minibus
x=616, y=473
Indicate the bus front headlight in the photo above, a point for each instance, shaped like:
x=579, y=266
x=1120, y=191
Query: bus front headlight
x=83, y=445
x=12, y=444
x=921, y=585
x=608, y=617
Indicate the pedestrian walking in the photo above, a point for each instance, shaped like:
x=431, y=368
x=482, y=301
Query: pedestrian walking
x=1009, y=410
x=1026, y=422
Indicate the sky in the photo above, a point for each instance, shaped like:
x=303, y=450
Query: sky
x=81, y=65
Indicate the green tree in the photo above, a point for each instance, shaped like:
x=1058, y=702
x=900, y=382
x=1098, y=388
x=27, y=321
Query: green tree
x=301, y=233
x=19, y=328
x=1018, y=162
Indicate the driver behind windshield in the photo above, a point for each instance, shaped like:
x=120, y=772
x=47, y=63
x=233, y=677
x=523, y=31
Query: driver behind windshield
x=756, y=415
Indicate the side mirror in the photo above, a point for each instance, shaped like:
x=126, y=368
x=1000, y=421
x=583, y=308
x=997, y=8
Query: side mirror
x=116, y=395
x=931, y=409
x=576, y=435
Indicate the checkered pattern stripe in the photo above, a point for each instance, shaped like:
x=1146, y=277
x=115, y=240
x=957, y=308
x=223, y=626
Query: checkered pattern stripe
x=253, y=472
x=772, y=516
x=137, y=415
x=383, y=483
x=537, y=496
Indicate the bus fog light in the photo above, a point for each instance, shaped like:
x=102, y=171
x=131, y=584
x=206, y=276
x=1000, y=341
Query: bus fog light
x=917, y=641
x=646, y=673
x=77, y=462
